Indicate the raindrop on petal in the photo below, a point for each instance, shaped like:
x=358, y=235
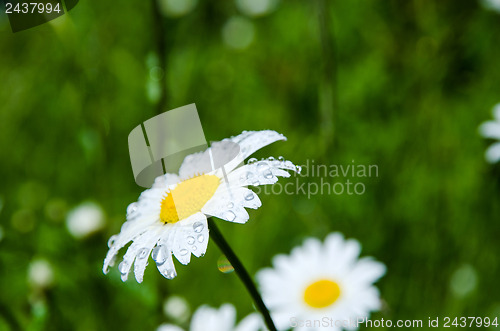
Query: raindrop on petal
x=169, y=274
x=198, y=227
x=190, y=240
x=201, y=238
x=229, y=215
x=159, y=254
x=132, y=208
x=252, y=160
x=268, y=174
x=249, y=196
x=230, y=205
x=143, y=253
x=281, y=159
x=271, y=159
x=112, y=240
x=261, y=166
x=123, y=267
x=183, y=251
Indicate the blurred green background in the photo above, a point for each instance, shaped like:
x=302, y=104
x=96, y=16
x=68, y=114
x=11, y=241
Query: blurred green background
x=398, y=84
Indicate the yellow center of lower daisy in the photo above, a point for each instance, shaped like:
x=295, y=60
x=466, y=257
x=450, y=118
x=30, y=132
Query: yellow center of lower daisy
x=188, y=197
x=322, y=293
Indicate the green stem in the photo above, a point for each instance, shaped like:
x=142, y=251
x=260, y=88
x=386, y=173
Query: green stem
x=218, y=238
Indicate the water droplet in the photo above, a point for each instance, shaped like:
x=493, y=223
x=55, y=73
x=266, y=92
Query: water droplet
x=255, y=182
x=201, y=238
x=249, y=196
x=229, y=215
x=252, y=160
x=198, y=227
x=123, y=267
x=112, y=240
x=268, y=174
x=298, y=169
x=159, y=254
x=143, y=253
x=271, y=159
x=132, y=208
x=183, y=251
x=249, y=175
x=224, y=265
x=230, y=205
x=193, y=248
x=281, y=159
x=169, y=273
x=190, y=240
x=261, y=166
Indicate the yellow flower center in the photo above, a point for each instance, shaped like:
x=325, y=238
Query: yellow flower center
x=322, y=293
x=188, y=197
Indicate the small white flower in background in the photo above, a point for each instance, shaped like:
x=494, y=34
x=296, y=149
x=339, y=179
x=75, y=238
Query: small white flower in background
x=176, y=7
x=206, y=318
x=161, y=227
x=40, y=273
x=176, y=308
x=491, y=4
x=256, y=8
x=85, y=219
x=238, y=32
x=321, y=279
x=491, y=130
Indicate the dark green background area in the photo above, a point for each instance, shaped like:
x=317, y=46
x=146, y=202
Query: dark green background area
x=414, y=79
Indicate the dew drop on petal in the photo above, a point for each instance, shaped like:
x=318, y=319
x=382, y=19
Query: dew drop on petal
x=270, y=159
x=112, y=240
x=183, y=251
x=249, y=175
x=268, y=174
x=224, y=265
x=193, y=248
x=281, y=159
x=261, y=166
x=169, y=273
x=230, y=205
x=229, y=215
x=255, y=182
x=123, y=267
x=200, y=238
x=190, y=240
x=249, y=196
x=132, y=208
x=143, y=253
x=198, y=227
x=252, y=160
x=159, y=254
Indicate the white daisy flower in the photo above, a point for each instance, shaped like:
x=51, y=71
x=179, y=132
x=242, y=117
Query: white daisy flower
x=491, y=130
x=321, y=280
x=40, y=273
x=171, y=217
x=223, y=319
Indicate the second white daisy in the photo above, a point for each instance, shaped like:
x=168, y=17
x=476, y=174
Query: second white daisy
x=319, y=280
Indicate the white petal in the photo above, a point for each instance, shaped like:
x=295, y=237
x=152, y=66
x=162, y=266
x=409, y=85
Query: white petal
x=167, y=269
x=165, y=181
x=210, y=319
x=366, y=271
x=490, y=129
x=260, y=173
x=224, y=207
x=169, y=327
x=190, y=236
x=252, y=322
x=492, y=154
x=141, y=260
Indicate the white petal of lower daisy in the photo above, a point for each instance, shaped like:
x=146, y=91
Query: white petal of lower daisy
x=190, y=236
x=490, y=129
x=367, y=271
x=252, y=322
x=210, y=319
x=169, y=327
x=492, y=154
